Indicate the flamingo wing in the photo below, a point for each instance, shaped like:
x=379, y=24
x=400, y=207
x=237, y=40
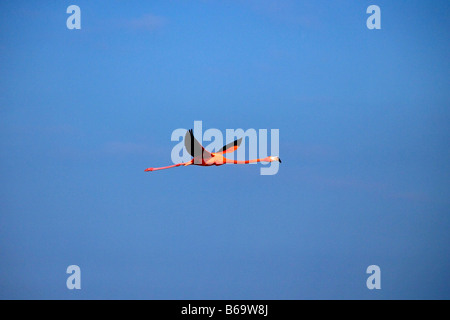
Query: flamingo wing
x=194, y=147
x=232, y=146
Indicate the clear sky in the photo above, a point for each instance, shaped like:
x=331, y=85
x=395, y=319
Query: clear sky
x=364, y=138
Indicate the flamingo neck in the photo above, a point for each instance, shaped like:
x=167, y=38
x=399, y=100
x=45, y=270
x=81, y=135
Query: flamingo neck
x=267, y=159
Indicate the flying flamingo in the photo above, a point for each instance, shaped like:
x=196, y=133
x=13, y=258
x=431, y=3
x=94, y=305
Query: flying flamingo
x=202, y=157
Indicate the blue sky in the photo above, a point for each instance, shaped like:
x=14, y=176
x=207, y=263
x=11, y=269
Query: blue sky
x=363, y=118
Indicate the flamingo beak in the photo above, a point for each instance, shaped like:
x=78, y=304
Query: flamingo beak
x=279, y=160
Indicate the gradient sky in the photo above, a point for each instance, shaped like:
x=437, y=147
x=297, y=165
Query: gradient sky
x=364, y=138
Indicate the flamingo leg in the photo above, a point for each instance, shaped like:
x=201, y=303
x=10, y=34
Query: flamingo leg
x=168, y=167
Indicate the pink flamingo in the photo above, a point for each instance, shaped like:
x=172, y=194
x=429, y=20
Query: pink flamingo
x=202, y=157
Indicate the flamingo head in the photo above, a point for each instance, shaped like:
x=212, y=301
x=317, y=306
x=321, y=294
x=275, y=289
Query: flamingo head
x=276, y=158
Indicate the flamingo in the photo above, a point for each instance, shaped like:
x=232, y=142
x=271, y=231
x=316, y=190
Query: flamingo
x=202, y=157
